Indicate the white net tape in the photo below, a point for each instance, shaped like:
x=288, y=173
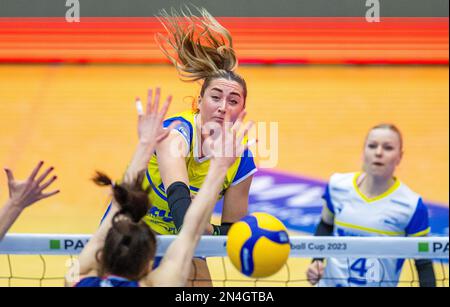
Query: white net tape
x=43, y=259
x=215, y=246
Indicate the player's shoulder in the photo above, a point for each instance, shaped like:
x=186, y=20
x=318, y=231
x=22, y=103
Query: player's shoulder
x=405, y=195
x=186, y=127
x=342, y=181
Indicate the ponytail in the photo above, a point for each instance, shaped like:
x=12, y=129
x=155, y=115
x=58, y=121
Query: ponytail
x=130, y=244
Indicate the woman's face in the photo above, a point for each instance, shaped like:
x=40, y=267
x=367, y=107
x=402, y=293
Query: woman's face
x=221, y=96
x=382, y=152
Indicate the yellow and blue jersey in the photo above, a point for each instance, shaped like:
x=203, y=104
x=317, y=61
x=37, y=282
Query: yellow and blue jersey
x=159, y=217
x=397, y=212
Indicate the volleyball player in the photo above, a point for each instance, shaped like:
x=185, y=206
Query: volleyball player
x=23, y=194
x=120, y=253
x=371, y=203
x=202, y=51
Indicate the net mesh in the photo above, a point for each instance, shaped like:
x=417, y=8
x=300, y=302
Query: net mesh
x=44, y=263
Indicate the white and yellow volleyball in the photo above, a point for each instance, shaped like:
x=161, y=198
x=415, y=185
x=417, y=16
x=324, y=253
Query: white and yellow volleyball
x=258, y=245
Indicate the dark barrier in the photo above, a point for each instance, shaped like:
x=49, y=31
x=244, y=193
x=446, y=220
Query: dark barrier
x=236, y=8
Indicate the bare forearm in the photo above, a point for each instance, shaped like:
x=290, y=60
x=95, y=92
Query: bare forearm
x=180, y=253
x=87, y=258
x=139, y=161
x=8, y=215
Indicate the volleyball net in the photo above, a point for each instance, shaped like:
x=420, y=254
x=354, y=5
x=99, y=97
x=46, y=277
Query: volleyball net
x=44, y=259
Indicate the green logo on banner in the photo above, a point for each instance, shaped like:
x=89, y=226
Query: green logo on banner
x=423, y=248
x=55, y=244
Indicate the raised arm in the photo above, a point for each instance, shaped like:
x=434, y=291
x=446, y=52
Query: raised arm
x=174, y=175
x=175, y=266
x=235, y=205
x=150, y=132
x=23, y=194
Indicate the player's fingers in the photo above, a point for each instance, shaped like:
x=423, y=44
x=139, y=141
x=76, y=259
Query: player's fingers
x=247, y=127
x=36, y=170
x=165, y=133
x=46, y=195
x=227, y=118
x=165, y=107
x=242, y=115
x=44, y=175
x=314, y=272
x=239, y=120
x=244, y=147
x=156, y=104
x=319, y=268
x=9, y=175
x=139, y=108
x=149, y=101
x=250, y=143
x=315, y=267
x=245, y=131
x=48, y=183
x=208, y=147
x=240, y=137
x=311, y=276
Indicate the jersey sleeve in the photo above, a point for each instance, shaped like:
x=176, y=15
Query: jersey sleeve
x=327, y=198
x=184, y=128
x=419, y=224
x=246, y=168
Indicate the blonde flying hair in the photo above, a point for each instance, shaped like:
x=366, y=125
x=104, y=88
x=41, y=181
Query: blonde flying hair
x=199, y=47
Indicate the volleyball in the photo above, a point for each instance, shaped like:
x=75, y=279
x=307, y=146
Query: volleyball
x=258, y=245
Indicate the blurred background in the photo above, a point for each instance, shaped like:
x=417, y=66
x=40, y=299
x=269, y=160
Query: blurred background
x=319, y=69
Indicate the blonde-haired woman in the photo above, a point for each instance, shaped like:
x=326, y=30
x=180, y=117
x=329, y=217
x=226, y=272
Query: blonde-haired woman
x=371, y=203
x=201, y=50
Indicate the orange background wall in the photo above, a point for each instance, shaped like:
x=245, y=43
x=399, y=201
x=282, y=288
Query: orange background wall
x=326, y=40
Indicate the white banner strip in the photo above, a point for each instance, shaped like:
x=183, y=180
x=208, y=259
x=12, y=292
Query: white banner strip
x=215, y=246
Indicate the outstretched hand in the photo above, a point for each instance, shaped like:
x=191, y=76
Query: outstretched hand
x=24, y=193
x=150, y=122
x=228, y=146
